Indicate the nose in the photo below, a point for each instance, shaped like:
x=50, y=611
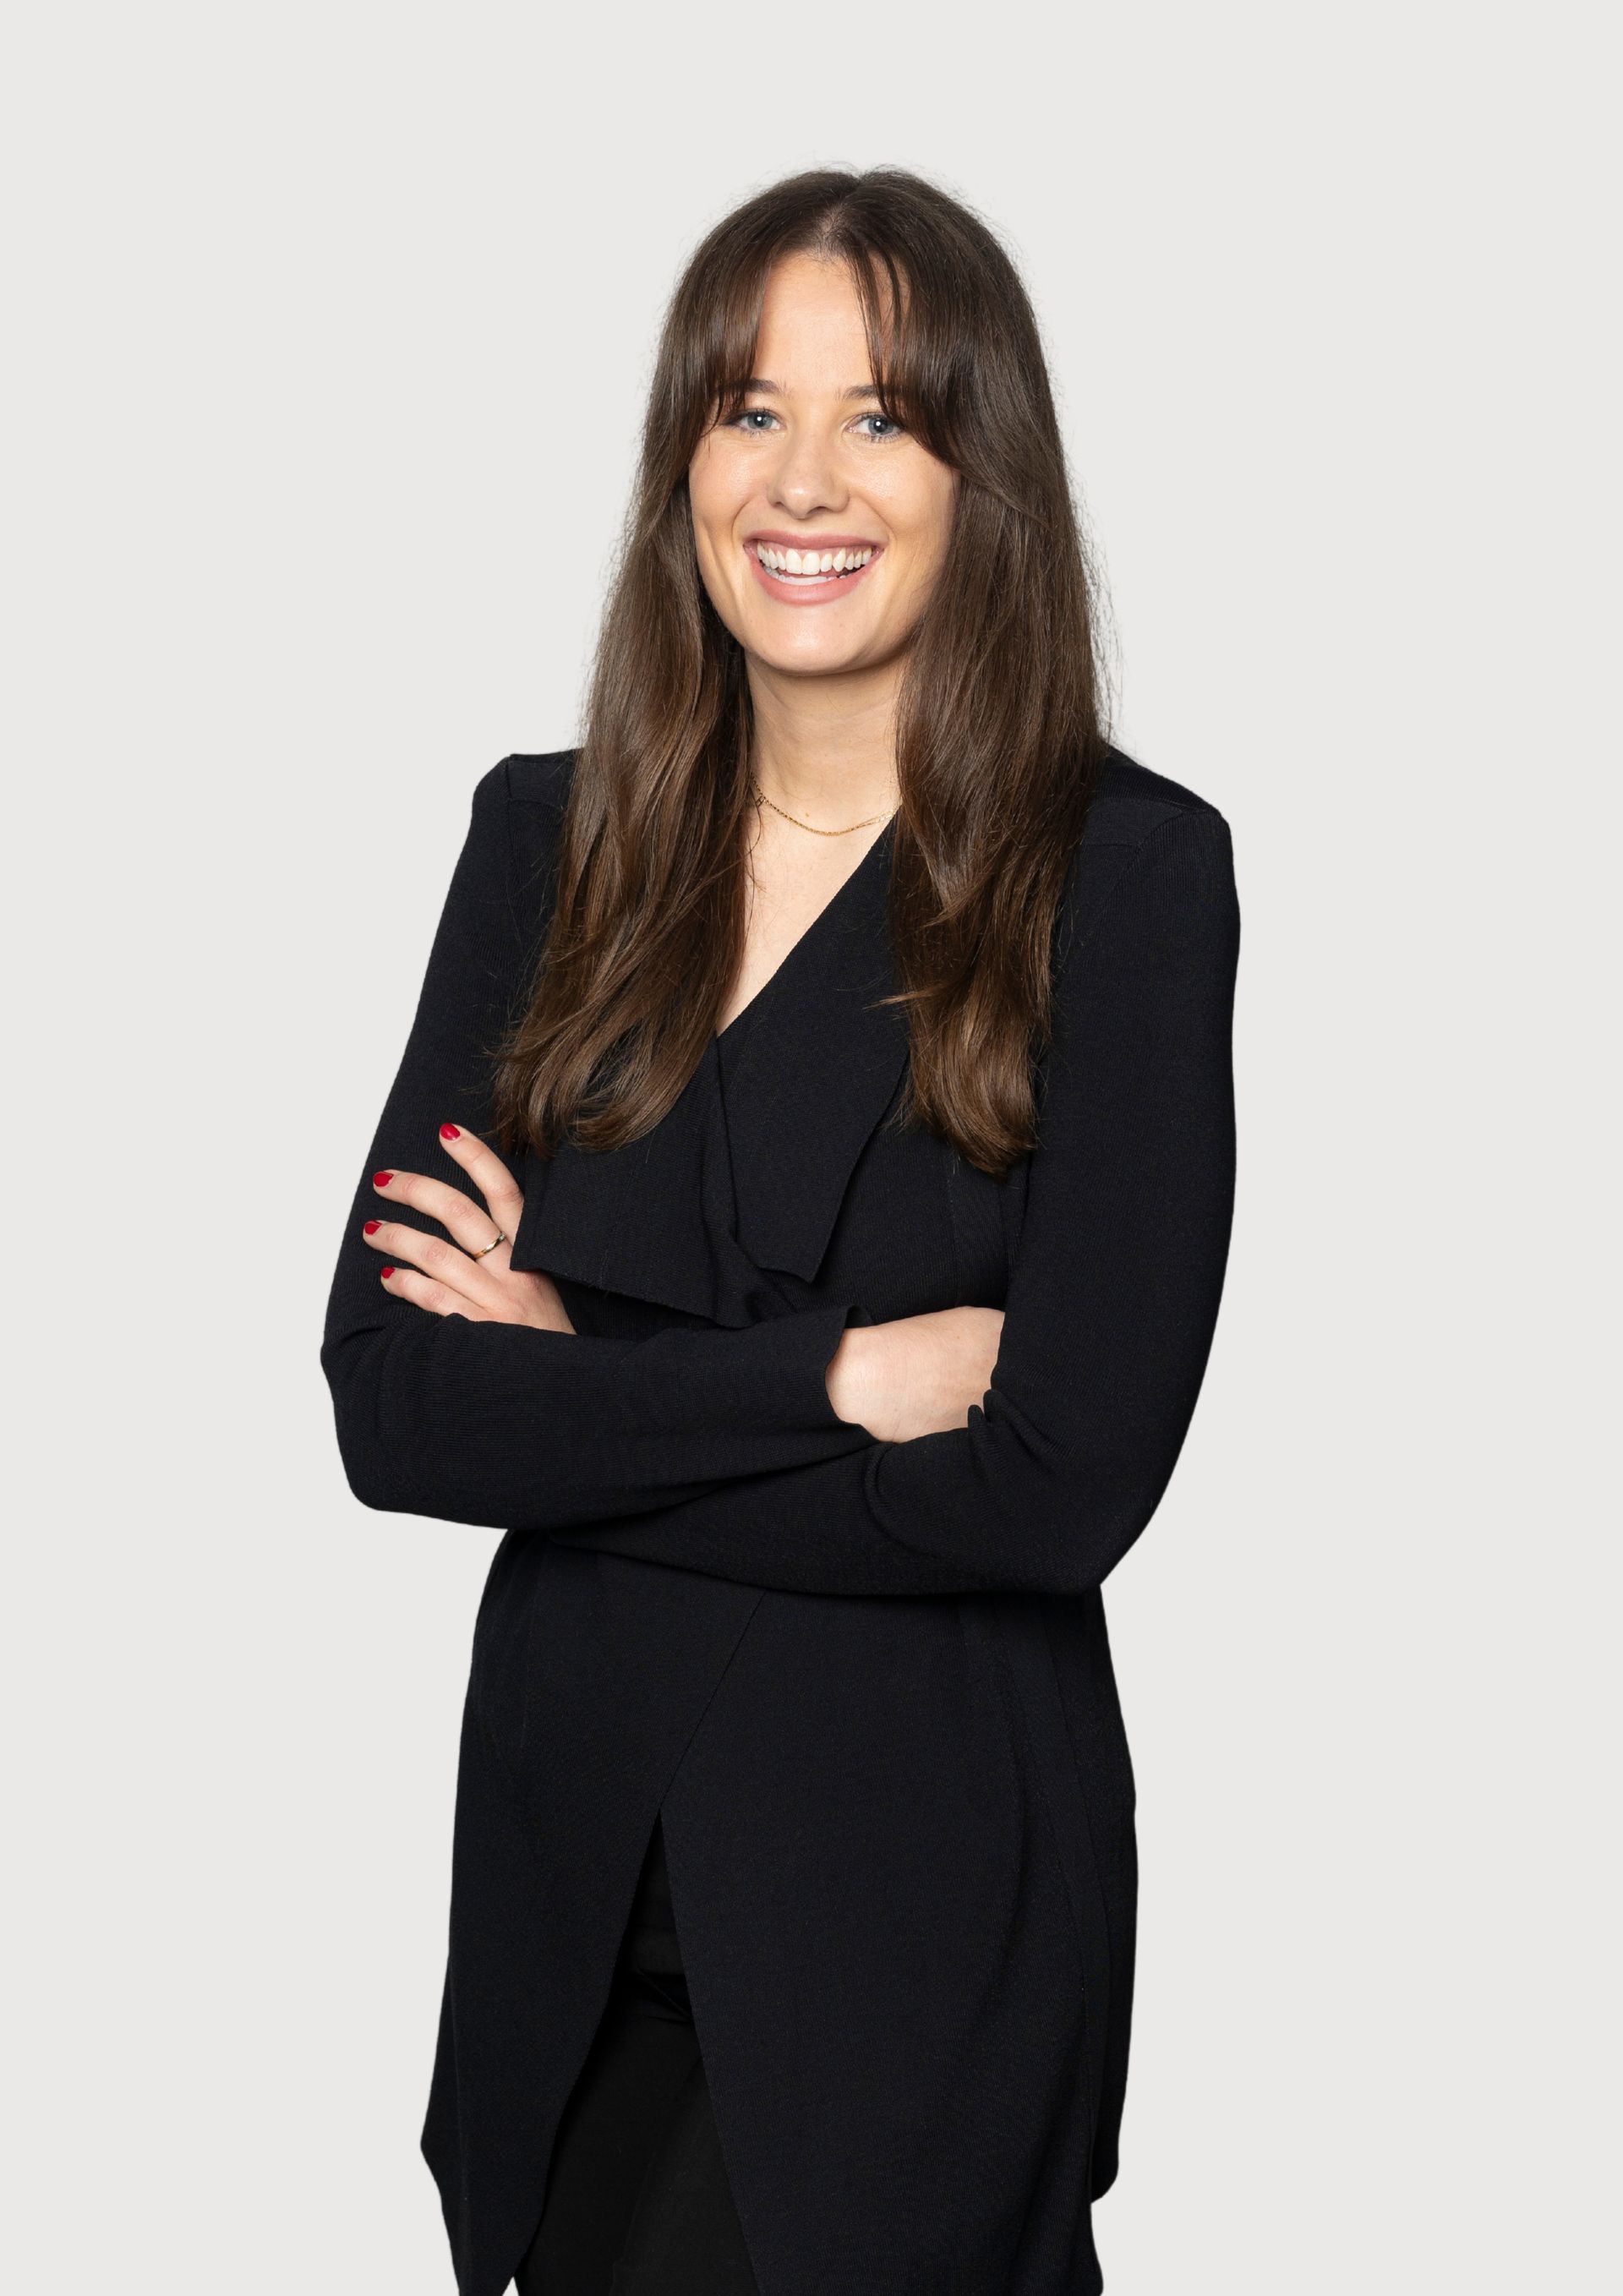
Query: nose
x=806, y=477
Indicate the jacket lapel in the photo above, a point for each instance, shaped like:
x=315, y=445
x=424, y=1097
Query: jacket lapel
x=730, y=1183
x=821, y=1068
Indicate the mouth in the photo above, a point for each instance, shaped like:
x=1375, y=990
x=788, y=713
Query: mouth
x=800, y=574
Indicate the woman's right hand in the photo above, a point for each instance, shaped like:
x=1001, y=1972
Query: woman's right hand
x=918, y=1375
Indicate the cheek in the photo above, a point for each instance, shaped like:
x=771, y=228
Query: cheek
x=943, y=510
x=714, y=509
x=714, y=492
x=711, y=521
x=921, y=514
x=927, y=546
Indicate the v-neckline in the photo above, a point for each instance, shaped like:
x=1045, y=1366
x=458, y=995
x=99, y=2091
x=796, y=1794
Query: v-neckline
x=747, y=1169
x=719, y=1038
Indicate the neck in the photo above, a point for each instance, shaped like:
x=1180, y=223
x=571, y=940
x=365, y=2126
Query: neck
x=824, y=748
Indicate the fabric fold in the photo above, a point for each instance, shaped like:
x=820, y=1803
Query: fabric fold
x=739, y=1181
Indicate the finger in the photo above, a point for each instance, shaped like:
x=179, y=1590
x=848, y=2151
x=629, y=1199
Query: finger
x=422, y=1292
x=466, y=1220
x=488, y=1175
x=436, y=1258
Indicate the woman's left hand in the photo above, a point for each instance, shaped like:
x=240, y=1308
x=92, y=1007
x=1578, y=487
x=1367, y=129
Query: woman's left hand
x=461, y=1278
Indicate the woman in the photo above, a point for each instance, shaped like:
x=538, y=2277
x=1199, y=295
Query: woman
x=799, y=1220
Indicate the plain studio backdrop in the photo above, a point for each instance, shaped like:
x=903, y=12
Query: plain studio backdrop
x=330, y=328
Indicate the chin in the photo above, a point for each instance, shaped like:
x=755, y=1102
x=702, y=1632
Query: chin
x=811, y=655
x=813, y=661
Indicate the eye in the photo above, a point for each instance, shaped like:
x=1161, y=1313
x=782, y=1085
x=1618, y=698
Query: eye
x=893, y=428
x=752, y=421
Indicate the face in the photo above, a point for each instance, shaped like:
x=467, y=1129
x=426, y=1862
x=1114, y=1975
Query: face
x=821, y=524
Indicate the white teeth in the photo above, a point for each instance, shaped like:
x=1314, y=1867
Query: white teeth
x=812, y=565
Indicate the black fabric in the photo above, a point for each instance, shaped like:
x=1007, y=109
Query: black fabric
x=637, y=2197
x=865, y=1688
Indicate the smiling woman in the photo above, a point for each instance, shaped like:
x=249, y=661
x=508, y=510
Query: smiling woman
x=846, y=360
x=875, y=506
x=799, y=1221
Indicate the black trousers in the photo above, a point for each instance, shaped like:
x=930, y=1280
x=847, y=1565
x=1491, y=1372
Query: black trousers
x=637, y=2201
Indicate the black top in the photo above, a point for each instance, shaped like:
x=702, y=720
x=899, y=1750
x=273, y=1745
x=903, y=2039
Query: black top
x=651, y=1947
x=865, y=1687
x=651, y=1944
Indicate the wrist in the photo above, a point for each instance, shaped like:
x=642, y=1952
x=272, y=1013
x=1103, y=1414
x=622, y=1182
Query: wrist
x=850, y=1376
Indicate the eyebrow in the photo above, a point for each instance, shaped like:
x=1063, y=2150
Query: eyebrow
x=852, y=390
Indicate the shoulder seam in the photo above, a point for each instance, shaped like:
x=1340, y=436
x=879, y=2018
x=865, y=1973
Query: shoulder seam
x=1140, y=851
x=1167, y=807
x=541, y=798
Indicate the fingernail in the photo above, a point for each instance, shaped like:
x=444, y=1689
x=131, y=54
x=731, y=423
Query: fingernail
x=388, y=1272
x=381, y=1179
x=371, y=1227
x=450, y=1132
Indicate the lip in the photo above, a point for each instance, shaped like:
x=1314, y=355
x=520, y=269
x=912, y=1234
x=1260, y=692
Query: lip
x=803, y=593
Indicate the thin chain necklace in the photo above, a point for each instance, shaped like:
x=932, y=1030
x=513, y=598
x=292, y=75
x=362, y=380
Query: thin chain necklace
x=761, y=797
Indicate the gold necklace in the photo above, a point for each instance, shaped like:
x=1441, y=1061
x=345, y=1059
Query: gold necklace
x=761, y=797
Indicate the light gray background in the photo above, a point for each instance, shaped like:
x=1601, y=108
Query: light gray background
x=328, y=330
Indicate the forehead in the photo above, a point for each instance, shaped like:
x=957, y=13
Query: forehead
x=811, y=333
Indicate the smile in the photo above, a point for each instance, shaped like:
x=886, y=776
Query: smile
x=807, y=565
x=810, y=578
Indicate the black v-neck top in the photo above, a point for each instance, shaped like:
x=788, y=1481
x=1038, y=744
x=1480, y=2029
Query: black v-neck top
x=731, y=1043
x=716, y=1261
x=862, y=1688
x=842, y=905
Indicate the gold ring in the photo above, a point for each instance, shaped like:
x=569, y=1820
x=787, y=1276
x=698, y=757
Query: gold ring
x=497, y=1238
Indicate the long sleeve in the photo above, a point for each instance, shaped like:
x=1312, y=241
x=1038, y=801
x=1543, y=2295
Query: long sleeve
x=1111, y=1304
x=499, y=1423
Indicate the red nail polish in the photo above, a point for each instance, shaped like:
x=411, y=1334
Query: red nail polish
x=372, y=1227
x=381, y=1179
x=388, y=1272
x=450, y=1132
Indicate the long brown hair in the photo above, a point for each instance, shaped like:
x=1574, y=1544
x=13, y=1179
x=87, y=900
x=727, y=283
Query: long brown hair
x=999, y=722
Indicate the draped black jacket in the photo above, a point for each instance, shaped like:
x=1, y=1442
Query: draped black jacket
x=865, y=1685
